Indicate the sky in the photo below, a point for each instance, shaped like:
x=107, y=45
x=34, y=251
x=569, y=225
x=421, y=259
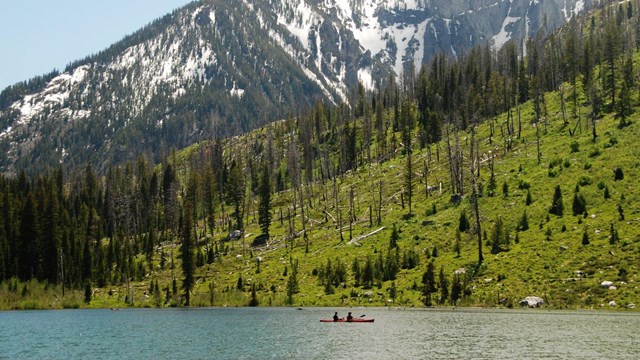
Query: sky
x=37, y=36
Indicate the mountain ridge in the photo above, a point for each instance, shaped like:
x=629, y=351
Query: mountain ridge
x=214, y=68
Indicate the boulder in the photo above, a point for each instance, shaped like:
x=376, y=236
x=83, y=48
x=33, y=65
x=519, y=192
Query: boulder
x=606, y=284
x=631, y=306
x=235, y=235
x=460, y=271
x=612, y=303
x=531, y=301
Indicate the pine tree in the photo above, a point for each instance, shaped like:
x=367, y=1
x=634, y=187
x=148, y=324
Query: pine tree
x=187, y=248
x=292, y=283
x=429, y=283
x=456, y=289
x=579, y=205
x=393, y=240
x=624, y=102
x=235, y=189
x=557, y=205
x=254, y=296
x=613, y=235
x=523, y=225
x=408, y=180
x=264, y=206
x=444, y=287
x=463, y=222
x=585, y=237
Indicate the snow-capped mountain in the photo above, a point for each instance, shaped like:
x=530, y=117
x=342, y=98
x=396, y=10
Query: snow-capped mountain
x=219, y=67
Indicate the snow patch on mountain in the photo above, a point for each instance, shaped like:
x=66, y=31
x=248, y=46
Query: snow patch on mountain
x=54, y=94
x=301, y=22
x=505, y=34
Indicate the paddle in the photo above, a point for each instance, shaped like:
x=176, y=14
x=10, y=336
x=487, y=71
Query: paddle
x=363, y=315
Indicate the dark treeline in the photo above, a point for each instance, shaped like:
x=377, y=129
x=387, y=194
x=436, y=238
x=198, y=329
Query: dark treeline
x=106, y=228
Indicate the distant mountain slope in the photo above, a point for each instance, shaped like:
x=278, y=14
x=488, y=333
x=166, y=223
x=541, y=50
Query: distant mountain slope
x=224, y=67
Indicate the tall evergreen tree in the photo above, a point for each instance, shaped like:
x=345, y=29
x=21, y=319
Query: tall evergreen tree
x=187, y=249
x=235, y=189
x=264, y=206
x=557, y=205
x=429, y=283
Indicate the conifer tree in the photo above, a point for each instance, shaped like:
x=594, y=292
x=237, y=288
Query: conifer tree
x=557, y=205
x=264, y=206
x=463, y=222
x=187, y=248
x=429, y=283
x=408, y=180
x=444, y=287
x=235, y=189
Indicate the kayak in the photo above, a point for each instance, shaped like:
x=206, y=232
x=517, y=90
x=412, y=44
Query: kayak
x=355, y=320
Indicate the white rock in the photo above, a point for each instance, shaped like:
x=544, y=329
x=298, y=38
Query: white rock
x=612, y=303
x=606, y=284
x=532, y=301
x=460, y=271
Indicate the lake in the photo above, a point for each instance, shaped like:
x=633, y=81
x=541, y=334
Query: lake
x=289, y=333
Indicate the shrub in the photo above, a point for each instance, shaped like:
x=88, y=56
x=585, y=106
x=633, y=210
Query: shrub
x=584, y=180
x=575, y=147
x=595, y=152
x=523, y=184
x=610, y=142
x=618, y=174
x=554, y=163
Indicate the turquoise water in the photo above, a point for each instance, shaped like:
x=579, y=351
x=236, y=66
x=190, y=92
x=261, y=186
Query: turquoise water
x=288, y=333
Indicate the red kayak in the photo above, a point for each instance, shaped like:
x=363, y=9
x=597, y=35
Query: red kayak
x=355, y=320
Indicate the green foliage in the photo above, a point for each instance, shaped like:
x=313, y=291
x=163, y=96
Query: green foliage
x=264, y=205
x=575, y=147
x=557, y=205
x=393, y=239
x=523, y=224
x=123, y=223
x=429, y=285
x=613, y=235
x=254, y=296
x=579, y=205
x=505, y=190
x=463, y=222
x=585, y=237
x=618, y=174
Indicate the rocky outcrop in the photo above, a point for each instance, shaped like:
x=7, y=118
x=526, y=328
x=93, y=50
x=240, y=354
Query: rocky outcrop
x=532, y=302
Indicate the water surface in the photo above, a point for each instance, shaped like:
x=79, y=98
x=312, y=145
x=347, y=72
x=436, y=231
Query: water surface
x=288, y=333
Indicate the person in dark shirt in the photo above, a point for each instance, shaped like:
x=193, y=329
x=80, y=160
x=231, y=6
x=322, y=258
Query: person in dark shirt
x=349, y=317
x=335, y=316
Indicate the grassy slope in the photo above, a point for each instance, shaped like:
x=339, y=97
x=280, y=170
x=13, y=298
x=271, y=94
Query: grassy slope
x=561, y=270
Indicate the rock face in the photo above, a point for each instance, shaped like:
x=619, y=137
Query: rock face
x=532, y=301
